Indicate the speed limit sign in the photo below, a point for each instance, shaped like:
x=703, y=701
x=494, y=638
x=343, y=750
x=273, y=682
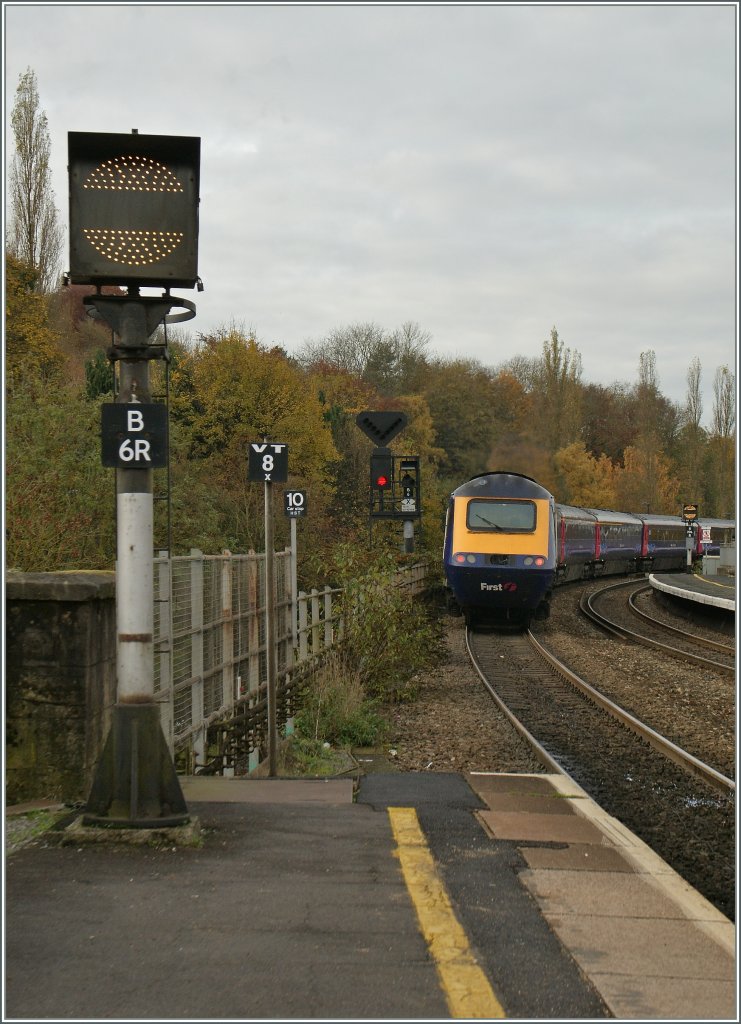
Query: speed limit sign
x=268, y=462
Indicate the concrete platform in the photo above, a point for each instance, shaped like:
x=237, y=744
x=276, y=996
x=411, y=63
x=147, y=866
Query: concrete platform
x=301, y=904
x=717, y=591
x=651, y=945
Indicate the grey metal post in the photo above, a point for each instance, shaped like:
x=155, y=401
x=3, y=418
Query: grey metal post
x=134, y=542
x=294, y=587
x=270, y=633
x=135, y=784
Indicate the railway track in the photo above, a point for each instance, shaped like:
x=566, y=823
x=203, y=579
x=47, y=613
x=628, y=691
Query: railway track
x=681, y=807
x=684, y=643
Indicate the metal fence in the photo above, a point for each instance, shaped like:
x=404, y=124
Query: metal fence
x=210, y=662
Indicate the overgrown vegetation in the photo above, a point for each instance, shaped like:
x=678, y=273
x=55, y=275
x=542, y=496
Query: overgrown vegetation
x=388, y=641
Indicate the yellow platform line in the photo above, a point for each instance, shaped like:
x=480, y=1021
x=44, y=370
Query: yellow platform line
x=465, y=985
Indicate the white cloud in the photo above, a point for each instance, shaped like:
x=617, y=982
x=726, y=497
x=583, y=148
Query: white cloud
x=487, y=170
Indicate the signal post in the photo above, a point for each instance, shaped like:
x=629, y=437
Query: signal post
x=394, y=479
x=134, y=222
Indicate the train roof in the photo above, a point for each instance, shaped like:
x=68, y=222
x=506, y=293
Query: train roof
x=501, y=485
x=659, y=518
x=573, y=512
x=606, y=515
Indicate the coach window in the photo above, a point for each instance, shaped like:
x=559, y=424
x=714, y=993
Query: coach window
x=504, y=516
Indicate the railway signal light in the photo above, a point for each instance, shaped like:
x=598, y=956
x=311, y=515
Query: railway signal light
x=381, y=469
x=133, y=209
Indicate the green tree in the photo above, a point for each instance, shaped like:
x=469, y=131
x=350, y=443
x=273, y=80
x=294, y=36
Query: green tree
x=98, y=376
x=461, y=396
x=35, y=233
x=59, y=499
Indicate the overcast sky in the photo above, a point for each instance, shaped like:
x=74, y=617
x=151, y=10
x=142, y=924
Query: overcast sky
x=487, y=171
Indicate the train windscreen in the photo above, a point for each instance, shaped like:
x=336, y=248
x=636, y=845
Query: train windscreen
x=500, y=515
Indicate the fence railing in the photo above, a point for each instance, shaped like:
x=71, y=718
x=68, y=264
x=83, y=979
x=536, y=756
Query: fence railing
x=210, y=663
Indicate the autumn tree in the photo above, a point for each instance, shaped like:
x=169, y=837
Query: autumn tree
x=242, y=392
x=646, y=483
x=35, y=235
x=558, y=390
x=32, y=355
x=609, y=425
x=585, y=481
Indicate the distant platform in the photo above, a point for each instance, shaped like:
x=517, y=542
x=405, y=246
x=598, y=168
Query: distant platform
x=718, y=591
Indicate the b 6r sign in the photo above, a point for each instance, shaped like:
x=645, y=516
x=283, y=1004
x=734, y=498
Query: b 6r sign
x=134, y=436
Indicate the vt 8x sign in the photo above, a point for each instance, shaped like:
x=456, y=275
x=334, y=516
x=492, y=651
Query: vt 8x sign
x=134, y=436
x=268, y=462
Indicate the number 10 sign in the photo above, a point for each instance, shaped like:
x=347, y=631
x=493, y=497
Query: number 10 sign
x=268, y=462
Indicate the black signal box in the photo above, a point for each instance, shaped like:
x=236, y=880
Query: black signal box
x=133, y=209
x=394, y=486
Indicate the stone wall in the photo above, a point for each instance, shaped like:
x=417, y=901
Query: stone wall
x=60, y=681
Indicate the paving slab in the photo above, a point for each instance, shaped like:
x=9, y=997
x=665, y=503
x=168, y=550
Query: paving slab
x=599, y=894
x=644, y=998
x=537, y=827
x=667, y=948
x=215, y=789
x=576, y=857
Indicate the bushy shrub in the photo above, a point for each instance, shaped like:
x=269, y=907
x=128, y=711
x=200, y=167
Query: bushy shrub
x=388, y=636
x=335, y=710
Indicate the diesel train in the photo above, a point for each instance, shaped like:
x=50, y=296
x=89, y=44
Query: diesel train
x=508, y=544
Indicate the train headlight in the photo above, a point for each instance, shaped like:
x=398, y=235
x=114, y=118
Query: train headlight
x=459, y=558
x=471, y=559
x=528, y=560
x=540, y=561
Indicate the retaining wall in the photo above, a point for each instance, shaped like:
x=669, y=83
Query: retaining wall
x=60, y=681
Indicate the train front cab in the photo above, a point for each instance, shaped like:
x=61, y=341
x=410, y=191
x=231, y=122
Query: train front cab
x=499, y=549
